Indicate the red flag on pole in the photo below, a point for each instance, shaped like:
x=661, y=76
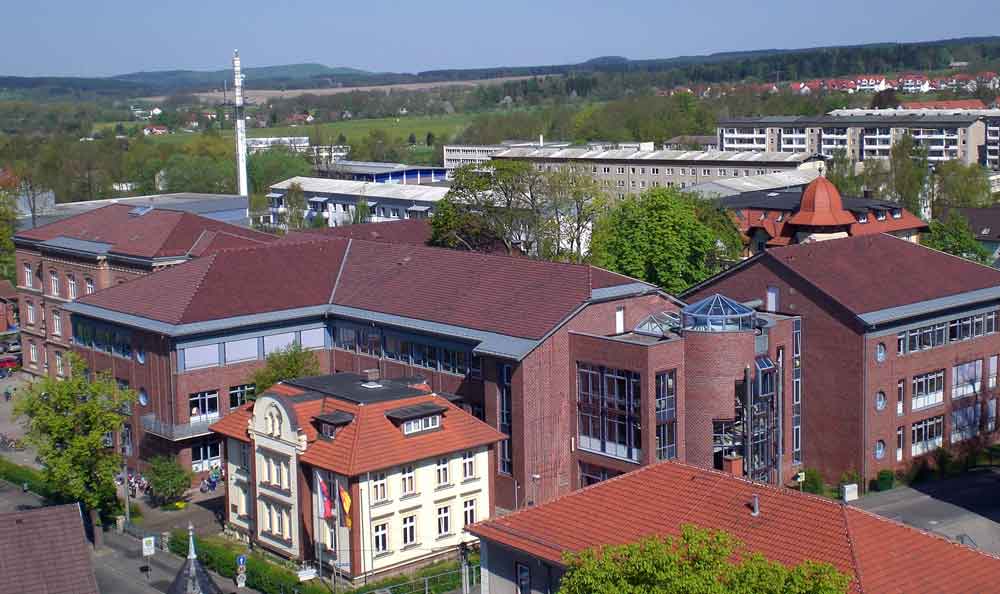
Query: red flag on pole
x=327, y=501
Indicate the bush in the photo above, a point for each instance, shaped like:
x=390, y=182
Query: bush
x=850, y=477
x=168, y=478
x=19, y=475
x=885, y=481
x=942, y=460
x=919, y=471
x=814, y=482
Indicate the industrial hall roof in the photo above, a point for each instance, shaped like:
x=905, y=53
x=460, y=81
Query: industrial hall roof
x=372, y=439
x=570, y=154
x=790, y=527
x=145, y=232
x=481, y=293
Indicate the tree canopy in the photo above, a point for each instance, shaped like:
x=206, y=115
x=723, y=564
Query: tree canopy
x=702, y=561
x=908, y=173
x=665, y=237
x=288, y=363
x=954, y=236
x=961, y=185
x=67, y=421
x=269, y=167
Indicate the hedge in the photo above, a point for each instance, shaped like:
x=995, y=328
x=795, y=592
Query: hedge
x=19, y=475
x=271, y=578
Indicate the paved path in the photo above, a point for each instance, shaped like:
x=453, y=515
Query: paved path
x=966, y=505
x=10, y=426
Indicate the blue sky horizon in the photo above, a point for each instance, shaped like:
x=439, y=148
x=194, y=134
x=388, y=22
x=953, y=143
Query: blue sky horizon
x=110, y=37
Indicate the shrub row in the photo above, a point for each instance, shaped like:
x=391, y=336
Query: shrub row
x=19, y=475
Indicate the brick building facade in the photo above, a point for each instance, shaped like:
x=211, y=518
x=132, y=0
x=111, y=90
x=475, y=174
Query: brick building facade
x=902, y=349
x=510, y=337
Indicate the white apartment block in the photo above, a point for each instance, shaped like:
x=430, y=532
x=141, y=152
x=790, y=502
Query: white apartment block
x=336, y=200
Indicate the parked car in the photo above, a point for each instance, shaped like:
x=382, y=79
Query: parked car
x=14, y=347
x=9, y=364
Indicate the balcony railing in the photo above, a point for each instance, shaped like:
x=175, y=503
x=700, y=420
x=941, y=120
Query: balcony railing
x=176, y=432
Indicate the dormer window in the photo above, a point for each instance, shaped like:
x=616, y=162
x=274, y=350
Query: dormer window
x=880, y=215
x=421, y=424
x=328, y=430
x=897, y=213
x=985, y=231
x=863, y=217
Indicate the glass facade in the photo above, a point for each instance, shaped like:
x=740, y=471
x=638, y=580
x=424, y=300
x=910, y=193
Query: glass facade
x=608, y=406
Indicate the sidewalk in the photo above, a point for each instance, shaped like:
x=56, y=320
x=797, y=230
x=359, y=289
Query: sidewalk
x=9, y=426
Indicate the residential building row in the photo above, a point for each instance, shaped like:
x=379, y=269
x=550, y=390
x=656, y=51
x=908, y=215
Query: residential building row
x=360, y=474
x=458, y=155
x=913, y=82
x=970, y=136
x=627, y=171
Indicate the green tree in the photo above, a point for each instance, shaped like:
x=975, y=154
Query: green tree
x=8, y=226
x=842, y=173
x=958, y=185
x=412, y=140
x=954, y=237
x=288, y=363
x=664, y=237
x=575, y=199
x=266, y=168
x=362, y=212
x=295, y=205
x=67, y=421
x=429, y=139
x=697, y=560
x=168, y=478
x=455, y=226
x=908, y=170
x=199, y=173
x=341, y=139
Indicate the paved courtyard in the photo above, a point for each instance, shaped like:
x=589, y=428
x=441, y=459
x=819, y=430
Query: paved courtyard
x=964, y=508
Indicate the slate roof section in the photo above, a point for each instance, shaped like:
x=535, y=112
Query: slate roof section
x=159, y=233
x=984, y=222
x=371, y=441
x=657, y=500
x=45, y=550
x=907, y=273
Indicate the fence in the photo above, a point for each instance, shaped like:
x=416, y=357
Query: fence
x=440, y=583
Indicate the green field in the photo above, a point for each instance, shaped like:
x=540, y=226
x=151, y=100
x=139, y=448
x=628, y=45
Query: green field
x=442, y=126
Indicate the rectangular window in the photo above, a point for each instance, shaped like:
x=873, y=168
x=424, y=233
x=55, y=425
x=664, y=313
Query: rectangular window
x=238, y=395
x=620, y=319
x=202, y=356
x=241, y=350
x=33, y=352
x=469, y=465
x=71, y=286
x=469, y=511
x=277, y=342
x=926, y=435
x=993, y=372
x=444, y=520
x=927, y=390
x=369, y=341
x=772, y=299
x=205, y=455
x=204, y=406
x=29, y=308
x=380, y=534
x=422, y=424
x=407, y=482
x=409, y=530
x=90, y=285
x=591, y=474
x=504, y=395
x=523, y=578
x=964, y=423
x=28, y=276
x=56, y=323
x=59, y=363
x=54, y=283
x=380, y=488
x=443, y=477
x=314, y=338
x=900, y=396
x=608, y=403
x=966, y=379
x=900, y=432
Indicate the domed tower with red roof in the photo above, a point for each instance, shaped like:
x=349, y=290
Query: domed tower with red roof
x=821, y=213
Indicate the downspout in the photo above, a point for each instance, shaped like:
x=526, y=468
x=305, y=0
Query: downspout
x=864, y=417
x=371, y=529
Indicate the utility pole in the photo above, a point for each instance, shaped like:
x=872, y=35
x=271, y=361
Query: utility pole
x=241, y=126
x=463, y=552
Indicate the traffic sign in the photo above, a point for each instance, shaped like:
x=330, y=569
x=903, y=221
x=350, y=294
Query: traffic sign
x=148, y=546
x=241, y=561
x=241, y=580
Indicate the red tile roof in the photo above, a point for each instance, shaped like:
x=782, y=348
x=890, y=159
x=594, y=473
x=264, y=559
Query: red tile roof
x=370, y=441
x=412, y=231
x=850, y=270
x=821, y=206
x=512, y=296
x=951, y=104
x=881, y=555
x=45, y=550
x=156, y=234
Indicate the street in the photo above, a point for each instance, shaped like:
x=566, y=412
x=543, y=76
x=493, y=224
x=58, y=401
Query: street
x=964, y=508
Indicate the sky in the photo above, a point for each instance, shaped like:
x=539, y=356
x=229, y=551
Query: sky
x=105, y=37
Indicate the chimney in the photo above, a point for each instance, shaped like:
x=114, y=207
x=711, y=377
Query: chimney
x=371, y=375
x=755, y=506
x=733, y=465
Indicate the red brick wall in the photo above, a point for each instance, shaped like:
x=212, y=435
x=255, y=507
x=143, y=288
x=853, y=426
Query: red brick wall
x=715, y=362
x=832, y=374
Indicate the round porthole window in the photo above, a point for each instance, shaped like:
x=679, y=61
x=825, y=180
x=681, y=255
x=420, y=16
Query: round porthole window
x=143, y=397
x=880, y=400
x=879, y=449
x=880, y=352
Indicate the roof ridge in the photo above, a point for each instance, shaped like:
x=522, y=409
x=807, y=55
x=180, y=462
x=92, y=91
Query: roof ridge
x=852, y=549
x=352, y=463
x=210, y=262
x=340, y=270
x=873, y=516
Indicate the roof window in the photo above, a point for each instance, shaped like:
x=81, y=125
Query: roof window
x=422, y=424
x=863, y=217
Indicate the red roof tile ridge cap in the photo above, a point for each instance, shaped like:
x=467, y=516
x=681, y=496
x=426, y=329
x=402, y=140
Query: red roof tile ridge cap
x=352, y=462
x=873, y=516
x=340, y=270
x=858, y=578
x=210, y=262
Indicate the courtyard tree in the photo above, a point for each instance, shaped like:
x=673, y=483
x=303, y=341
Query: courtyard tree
x=288, y=363
x=68, y=421
x=908, y=173
x=266, y=168
x=958, y=185
x=697, y=560
x=168, y=478
x=953, y=236
x=295, y=207
x=664, y=237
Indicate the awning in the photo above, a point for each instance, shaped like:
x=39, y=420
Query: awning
x=418, y=209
